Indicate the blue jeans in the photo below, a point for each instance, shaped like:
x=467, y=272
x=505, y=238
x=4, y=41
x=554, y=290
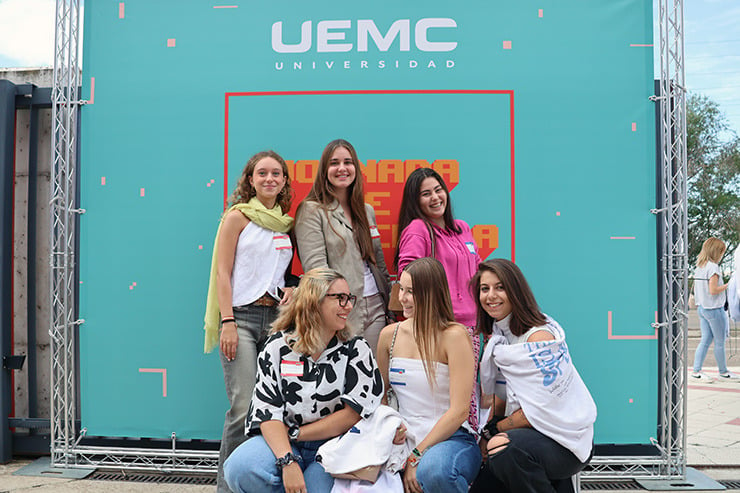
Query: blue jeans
x=714, y=325
x=251, y=467
x=530, y=463
x=252, y=324
x=450, y=465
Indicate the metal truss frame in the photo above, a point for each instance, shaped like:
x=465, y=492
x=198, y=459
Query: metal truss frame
x=66, y=447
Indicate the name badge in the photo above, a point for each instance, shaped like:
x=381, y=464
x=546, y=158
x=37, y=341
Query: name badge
x=291, y=368
x=471, y=246
x=374, y=234
x=282, y=242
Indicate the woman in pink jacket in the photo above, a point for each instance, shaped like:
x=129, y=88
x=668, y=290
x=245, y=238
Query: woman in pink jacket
x=427, y=229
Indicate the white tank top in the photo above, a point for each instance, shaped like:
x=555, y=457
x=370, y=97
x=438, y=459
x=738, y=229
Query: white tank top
x=420, y=404
x=262, y=256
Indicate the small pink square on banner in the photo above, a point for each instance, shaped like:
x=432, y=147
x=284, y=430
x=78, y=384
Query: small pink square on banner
x=134, y=283
x=200, y=247
x=130, y=288
x=170, y=42
x=121, y=10
x=507, y=45
x=634, y=127
x=632, y=401
x=557, y=213
x=102, y=180
x=141, y=192
x=540, y=13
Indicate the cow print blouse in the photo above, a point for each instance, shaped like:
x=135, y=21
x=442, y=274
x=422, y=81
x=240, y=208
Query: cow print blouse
x=295, y=389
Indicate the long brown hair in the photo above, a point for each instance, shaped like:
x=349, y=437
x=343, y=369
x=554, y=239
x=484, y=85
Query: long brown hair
x=432, y=308
x=244, y=190
x=525, y=313
x=323, y=193
x=303, y=313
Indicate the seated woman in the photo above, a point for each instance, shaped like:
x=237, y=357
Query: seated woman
x=428, y=361
x=541, y=431
x=314, y=382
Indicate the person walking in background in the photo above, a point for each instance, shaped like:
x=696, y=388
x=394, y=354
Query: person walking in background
x=251, y=262
x=314, y=382
x=428, y=362
x=335, y=228
x=710, y=296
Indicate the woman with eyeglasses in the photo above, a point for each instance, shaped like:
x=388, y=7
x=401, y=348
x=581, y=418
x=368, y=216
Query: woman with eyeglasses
x=335, y=228
x=314, y=382
x=250, y=277
x=428, y=362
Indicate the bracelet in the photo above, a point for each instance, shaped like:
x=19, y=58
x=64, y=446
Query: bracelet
x=491, y=428
x=286, y=460
x=226, y=320
x=414, y=458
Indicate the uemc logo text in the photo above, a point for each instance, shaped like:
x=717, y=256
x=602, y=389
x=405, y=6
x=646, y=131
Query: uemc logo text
x=331, y=36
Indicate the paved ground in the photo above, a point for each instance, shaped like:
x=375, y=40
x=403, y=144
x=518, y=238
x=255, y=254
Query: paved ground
x=713, y=437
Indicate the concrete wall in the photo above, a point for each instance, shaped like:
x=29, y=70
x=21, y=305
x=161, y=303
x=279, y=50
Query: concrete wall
x=41, y=78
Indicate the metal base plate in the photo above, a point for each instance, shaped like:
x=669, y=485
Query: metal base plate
x=42, y=467
x=695, y=481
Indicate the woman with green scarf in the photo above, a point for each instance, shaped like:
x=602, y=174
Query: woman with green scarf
x=251, y=264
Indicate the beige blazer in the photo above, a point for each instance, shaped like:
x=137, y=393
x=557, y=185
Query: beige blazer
x=326, y=240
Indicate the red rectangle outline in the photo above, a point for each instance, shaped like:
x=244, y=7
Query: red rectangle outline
x=377, y=92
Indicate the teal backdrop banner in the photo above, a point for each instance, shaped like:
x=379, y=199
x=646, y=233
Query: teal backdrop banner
x=536, y=113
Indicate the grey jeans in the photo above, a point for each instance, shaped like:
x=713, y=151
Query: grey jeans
x=252, y=324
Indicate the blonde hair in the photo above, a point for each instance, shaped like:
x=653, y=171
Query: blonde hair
x=711, y=251
x=302, y=315
x=432, y=308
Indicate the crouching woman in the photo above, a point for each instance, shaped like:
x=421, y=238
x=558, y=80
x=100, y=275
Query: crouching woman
x=314, y=382
x=540, y=432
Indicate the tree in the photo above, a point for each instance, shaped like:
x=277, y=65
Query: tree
x=713, y=161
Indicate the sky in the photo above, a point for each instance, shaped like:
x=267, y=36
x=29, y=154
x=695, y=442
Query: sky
x=712, y=45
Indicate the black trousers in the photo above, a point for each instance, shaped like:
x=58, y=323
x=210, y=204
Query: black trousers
x=530, y=463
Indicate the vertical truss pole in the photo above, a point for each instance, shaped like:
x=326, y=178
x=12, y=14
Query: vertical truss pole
x=674, y=228
x=65, y=101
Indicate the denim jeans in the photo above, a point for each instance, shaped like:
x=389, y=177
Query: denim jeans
x=252, y=324
x=251, y=468
x=451, y=465
x=530, y=463
x=713, y=323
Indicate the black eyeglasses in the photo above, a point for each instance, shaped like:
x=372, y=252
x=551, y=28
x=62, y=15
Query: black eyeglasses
x=343, y=298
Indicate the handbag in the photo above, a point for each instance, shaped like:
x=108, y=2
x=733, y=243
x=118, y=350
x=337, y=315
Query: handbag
x=390, y=395
x=394, y=304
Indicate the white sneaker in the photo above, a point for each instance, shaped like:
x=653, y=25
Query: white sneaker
x=729, y=376
x=702, y=377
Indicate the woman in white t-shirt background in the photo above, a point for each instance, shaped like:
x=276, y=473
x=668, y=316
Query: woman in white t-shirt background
x=710, y=296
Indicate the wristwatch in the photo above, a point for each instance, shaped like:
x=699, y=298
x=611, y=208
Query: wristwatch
x=287, y=459
x=293, y=433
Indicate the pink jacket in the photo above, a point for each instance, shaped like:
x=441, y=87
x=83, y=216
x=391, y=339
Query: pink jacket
x=458, y=254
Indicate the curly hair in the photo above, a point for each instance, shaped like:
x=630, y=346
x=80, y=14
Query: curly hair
x=244, y=190
x=303, y=313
